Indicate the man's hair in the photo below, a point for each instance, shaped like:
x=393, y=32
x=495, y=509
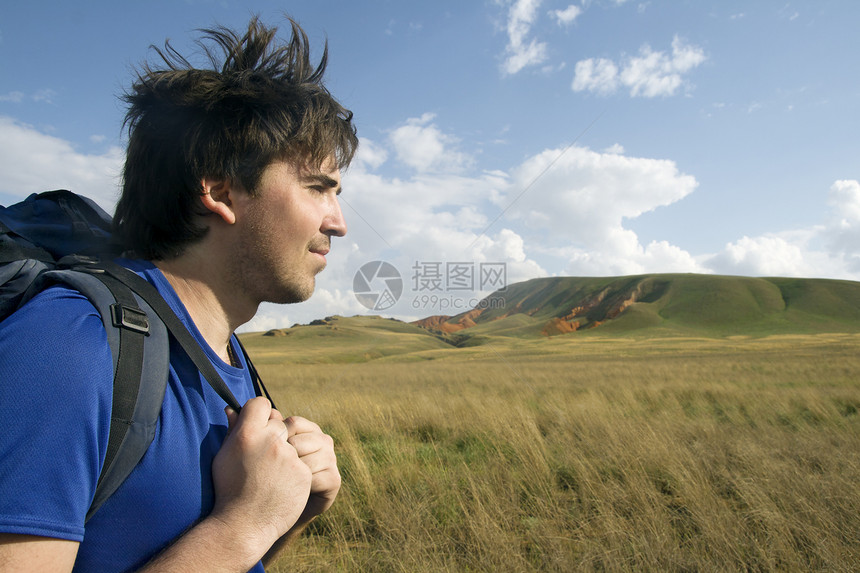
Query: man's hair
x=260, y=102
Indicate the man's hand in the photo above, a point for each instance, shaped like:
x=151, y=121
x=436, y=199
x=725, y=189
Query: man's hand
x=262, y=490
x=316, y=450
x=261, y=485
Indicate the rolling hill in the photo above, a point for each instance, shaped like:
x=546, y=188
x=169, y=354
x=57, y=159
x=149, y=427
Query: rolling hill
x=658, y=305
x=337, y=339
x=568, y=308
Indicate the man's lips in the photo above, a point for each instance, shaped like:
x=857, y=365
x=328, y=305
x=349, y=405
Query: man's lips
x=320, y=246
x=321, y=249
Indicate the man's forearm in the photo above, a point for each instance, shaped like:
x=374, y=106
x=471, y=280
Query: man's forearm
x=212, y=546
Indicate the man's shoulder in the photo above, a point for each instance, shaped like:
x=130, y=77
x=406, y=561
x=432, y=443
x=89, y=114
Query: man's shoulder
x=57, y=370
x=56, y=321
x=53, y=304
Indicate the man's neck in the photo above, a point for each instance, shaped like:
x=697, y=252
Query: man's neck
x=216, y=310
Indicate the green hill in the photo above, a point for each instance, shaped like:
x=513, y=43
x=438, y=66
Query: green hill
x=337, y=339
x=659, y=305
x=567, y=308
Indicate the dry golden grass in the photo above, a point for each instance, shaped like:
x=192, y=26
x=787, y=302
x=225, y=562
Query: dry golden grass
x=598, y=455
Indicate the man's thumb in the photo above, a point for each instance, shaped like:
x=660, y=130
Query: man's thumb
x=232, y=417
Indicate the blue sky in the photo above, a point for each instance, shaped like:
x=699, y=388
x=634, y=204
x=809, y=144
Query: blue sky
x=584, y=138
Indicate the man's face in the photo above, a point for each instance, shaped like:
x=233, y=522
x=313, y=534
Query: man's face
x=287, y=230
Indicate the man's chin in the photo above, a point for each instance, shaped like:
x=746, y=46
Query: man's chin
x=292, y=294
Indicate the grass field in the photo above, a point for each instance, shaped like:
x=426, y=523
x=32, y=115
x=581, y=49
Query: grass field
x=591, y=454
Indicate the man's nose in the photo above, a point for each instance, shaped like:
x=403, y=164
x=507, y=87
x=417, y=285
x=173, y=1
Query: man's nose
x=334, y=225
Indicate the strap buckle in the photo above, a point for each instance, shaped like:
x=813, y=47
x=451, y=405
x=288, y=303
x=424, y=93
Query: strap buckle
x=130, y=318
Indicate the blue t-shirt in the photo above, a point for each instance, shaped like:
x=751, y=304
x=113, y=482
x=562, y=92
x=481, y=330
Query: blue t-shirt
x=56, y=382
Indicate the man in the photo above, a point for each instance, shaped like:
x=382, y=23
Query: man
x=229, y=199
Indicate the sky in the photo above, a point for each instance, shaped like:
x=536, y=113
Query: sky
x=502, y=140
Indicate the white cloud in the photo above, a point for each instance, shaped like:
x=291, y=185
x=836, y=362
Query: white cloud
x=650, y=74
x=789, y=13
x=508, y=247
x=337, y=301
x=596, y=75
x=628, y=257
x=581, y=193
x=754, y=107
x=525, y=55
x=830, y=249
x=370, y=154
x=657, y=74
x=403, y=214
x=32, y=161
x=267, y=318
x=522, y=52
x=520, y=19
x=661, y=256
x=13, y=97
x=844, y=197
x=580, y=198
x=45, y=95
x=842, y=234
x=767, y=255
x=422, y=146
x=566, y=16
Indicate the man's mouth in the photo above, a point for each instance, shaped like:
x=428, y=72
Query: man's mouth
x=321, y=249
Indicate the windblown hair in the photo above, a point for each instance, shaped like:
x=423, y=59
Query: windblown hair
x=260, y=102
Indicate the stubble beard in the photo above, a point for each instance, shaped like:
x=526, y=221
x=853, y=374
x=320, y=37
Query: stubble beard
x=297, y=284
x=300, y=288
x=290, y=286
x=269, y=278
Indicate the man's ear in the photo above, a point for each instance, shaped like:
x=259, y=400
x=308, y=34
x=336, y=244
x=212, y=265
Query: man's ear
x=216, y=197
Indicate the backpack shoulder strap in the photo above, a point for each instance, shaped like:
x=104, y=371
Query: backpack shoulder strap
x=141, y=355
x=259, y=388
x=154, y=300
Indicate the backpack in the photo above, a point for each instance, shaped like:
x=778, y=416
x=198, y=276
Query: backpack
x=59, y=237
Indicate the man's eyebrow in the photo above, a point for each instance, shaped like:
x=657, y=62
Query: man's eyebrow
x=321, y=179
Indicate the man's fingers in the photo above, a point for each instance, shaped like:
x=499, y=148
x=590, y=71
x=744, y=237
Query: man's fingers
x=257, y=414
x=256, y=410
x=299, y=425
x=307, y=444
x=275, y=415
